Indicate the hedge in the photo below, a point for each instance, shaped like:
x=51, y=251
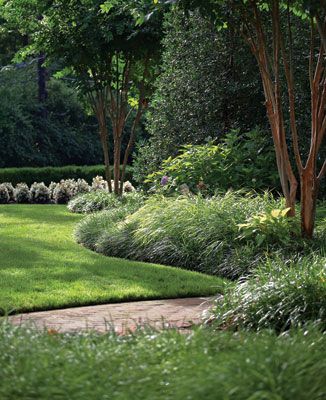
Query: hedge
x=30, y=175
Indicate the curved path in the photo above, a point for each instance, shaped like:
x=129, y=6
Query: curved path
x=123, y=317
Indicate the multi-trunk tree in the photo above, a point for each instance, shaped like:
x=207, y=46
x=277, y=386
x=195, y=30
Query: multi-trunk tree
x=111, y=59
x=266, y=25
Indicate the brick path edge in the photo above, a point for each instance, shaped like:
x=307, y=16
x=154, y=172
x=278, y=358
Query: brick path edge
x=122, y=317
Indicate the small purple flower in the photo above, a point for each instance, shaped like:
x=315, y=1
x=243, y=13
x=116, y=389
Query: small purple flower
x=164, y=180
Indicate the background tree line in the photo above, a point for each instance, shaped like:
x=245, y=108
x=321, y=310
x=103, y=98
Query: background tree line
x=207, y=83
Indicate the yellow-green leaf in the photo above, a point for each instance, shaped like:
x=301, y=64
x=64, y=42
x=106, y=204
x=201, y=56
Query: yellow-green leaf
x=275, y=213
x=285, y=211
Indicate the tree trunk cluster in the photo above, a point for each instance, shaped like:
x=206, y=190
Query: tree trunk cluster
x=271, y=58
x=111, y=101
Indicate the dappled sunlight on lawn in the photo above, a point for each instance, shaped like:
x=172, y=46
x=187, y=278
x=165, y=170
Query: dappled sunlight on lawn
x=42, y=267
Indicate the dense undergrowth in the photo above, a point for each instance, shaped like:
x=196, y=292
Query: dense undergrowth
x=150, y=365
x=227, y=235
x=278, y=295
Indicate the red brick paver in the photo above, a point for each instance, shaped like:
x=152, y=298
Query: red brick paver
x=177, y=313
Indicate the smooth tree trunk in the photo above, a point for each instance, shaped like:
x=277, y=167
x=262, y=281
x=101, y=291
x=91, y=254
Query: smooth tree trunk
x=105, y=149
x=99, y=107
x=271, y=57
x=117, y=158
x=309, y=194
x=130, y=144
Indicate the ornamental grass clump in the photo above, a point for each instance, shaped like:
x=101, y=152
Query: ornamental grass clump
x=40, y=193
x=89, y=231
x=165, y=365
x=103, y=200
x=22, y=193
x=4, y=195
x=278, y=296
x=189, y=232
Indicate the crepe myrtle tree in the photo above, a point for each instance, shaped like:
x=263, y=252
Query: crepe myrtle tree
x=266, y=26
x=111, y=59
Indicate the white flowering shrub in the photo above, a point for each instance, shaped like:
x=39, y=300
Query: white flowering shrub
x=127, y=187
x=4, y=195
x=40, y=193
x=81, y=187
x=10, y=189
x=63, y=192
x=22, y=193
x=52, y=186
x=99, y=183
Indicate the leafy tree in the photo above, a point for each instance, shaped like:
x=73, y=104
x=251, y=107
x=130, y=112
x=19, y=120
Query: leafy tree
x=208, y=85
x=261, y=23
x=112, y=60
x=67, y=136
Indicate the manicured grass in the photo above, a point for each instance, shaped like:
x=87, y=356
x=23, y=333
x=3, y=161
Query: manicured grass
x=41, y=267
x=162, y=366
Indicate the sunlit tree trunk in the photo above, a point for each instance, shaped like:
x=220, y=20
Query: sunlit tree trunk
x=269, y=65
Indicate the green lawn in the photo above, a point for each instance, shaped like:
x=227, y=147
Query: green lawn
x=41, y=267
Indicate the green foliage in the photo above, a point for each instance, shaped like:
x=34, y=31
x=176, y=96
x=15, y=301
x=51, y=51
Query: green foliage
x=270, y=228
x=209, y=84
x=67, y=135
x=238, y=161
x=193, y=233
x=55, y=174
x=162, y=366
x=102, y=200
x=278, y=296
x=196, y=233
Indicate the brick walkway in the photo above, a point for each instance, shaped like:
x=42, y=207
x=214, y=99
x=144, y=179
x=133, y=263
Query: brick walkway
x=177, y=313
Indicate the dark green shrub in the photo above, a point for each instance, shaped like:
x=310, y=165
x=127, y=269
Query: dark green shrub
x=22, y=193
x=66, y=136
x=278, y=296
x=209, y=84
x=55, y=174
x=236, y=162
x=4, y=195
x=40, y=193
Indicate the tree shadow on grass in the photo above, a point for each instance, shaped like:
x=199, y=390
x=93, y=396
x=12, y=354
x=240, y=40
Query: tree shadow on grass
x=51, y=214
x=80, y=277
